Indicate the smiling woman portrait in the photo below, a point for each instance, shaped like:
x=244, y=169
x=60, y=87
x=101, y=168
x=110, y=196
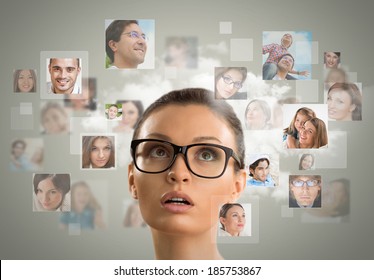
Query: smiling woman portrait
x=188, y=160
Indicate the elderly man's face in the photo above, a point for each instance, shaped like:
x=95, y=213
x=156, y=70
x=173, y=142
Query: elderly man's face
x=64, y=73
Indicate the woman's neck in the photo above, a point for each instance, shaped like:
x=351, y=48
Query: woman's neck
x=192, y=247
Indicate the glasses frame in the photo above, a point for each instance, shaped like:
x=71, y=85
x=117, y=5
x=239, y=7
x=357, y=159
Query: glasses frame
x=136, y=35
x=183, y=150
x=225, y=78
x=306, y=183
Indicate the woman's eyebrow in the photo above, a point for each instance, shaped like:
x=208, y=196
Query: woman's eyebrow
x=205, y=138
x=159, y=136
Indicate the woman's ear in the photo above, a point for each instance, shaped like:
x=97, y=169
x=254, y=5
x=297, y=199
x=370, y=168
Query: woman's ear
x=239, y=185
x=352, y=107
x=132, y=188
x=222, y=220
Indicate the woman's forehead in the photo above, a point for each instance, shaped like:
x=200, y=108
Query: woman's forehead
x=186, y=122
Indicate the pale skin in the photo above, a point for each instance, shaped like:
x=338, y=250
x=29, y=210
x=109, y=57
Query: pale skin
x=189, y=234
x=129, y=52
x=234, y=221
x=299, y=122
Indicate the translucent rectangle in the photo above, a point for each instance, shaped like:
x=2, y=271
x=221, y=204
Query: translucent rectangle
x=336, y=154
x=286, y=211
x=20, y=122
x=85, y=125
x=241, y=49
x=307, y=91
x=25, y=108
x=225, y=27
x=315, y=53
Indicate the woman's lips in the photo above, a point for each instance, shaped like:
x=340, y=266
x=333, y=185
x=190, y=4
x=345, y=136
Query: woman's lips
x=176, y=202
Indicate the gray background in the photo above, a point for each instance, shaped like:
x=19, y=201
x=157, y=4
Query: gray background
x=29, y=27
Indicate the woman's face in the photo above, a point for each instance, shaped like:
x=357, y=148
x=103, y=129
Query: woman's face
x=305, y=195
x=226, y=90
x=331, y=60
x=55, y=121
x=256, y=118
x=25, y=81
x=48, y=195
x=184, y=125
x=112, y=112
x=234, y=221
x=130, y=114
x=307, y=135
x=100, y=152
x=81, y=197
x=307, y=162
x=340, y=105
x=300, y=120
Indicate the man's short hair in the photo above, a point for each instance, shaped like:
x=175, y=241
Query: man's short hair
x=50, y=60
x=114, y=32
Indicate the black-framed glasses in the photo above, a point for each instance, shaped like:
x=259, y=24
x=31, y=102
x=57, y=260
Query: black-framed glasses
x=204, y=160
x=135, y=35
x=230, y=81
x=309, y=183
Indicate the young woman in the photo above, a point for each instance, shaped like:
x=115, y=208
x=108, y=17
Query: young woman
x=306, y=162
x=188, y=160
x=98, y=152
x=228, y=81
x=24, y=80
x=232, y=219
x=313, y=135
x=85, y=210
x=257, y=115
x=344, y=102
x=132, y=110
x=51, y=192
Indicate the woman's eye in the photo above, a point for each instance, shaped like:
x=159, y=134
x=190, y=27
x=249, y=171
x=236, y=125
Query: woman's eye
x=158, y=152
x=207, y=155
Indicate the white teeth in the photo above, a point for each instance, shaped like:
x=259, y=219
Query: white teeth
x=177, y=199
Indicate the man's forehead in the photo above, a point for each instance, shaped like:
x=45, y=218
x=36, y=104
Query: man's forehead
x=71, y=62
x=133, y=27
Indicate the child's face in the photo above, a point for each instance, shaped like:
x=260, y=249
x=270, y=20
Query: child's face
x=299, y=121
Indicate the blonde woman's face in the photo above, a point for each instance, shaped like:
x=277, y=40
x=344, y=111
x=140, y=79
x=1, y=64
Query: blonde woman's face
x=307, y=135
x=176, y=200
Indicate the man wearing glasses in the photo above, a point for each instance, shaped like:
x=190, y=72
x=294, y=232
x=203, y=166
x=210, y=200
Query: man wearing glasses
x=305, y=191
x=125, y=44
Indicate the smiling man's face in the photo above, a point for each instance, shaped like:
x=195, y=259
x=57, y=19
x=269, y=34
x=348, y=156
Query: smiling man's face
x=130, y=49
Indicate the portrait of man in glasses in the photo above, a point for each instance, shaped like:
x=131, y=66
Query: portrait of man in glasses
x=305, y=191
x=125, y=44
